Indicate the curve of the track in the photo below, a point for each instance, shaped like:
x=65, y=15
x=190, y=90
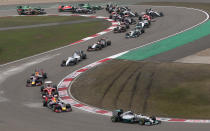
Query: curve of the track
x=21, y=107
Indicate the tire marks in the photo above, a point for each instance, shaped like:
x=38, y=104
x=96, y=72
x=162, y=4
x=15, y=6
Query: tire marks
x=134, y=89
x=147, y=92
x=123, y=86
x=111, y=84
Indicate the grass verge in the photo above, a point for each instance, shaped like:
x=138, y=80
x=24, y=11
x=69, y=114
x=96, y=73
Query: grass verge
x=32, y=20
x=17, y=44
x=162, y=89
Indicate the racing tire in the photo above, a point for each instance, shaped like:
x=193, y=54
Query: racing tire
x=55, y=87
x=132, y=121
x=110, y=17
x=19, y=13
x=45, y=75
x=127, y=26
x=68, y=107
x=161, y=14
x=75, y=62
x=114, y=119
x=109, y=43
x=84, y=56
x=141, y=122
x=44, y=103
x=42, y=88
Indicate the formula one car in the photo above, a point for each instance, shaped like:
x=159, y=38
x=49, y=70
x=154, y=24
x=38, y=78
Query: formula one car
x=36, y=79
x=65, y=8
x=94, y=47
x=142, y=24
x=27, y=10
x=76, y=57
x=104, y=42
x=49, y=89
x=130, y=117
x=134, y=33
x=88, y=6
x=129, y=20
x=130, y=13
x=40, y=74
x=120, y=29
x=144, y=16
x=83, y=11
x=46, y=98
x=153, y=13
x=58, y=106
x=99, y=45
x=127, y=26
x=115, y=16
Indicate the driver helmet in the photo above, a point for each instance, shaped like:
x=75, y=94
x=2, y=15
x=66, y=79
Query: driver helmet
x=48, y=86
x=37, y=73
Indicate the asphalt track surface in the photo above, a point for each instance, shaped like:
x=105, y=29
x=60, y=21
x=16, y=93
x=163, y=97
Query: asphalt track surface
x=21, y=107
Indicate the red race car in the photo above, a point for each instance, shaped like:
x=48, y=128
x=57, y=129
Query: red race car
x=49, y=89
x=65, y=8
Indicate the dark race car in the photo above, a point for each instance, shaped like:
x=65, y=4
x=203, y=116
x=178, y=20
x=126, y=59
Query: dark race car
x=130, y=117
x=104, y=42
x=99, y=45
x=153, y=13
x=83, y=11
x=27, y=10
x=65, y=8
x=129, y=20
x=36, y=79
x=120, y=29
x=57, y=106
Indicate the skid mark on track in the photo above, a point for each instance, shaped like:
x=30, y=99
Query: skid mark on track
x=2, y=99
x=147, y=92
x=33, y=105
x=4, y=74
x=122, y=87
x=134, y=89
x=112, y=83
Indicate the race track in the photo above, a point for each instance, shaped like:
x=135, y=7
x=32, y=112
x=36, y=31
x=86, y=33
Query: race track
x=21, y=107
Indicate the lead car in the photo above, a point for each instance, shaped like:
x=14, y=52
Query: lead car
x=130, y=117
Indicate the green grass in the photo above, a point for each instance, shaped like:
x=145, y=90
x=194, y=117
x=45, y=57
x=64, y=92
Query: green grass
x=17, y=44
x=32, y=20
x=161, y=89
x=203, y=6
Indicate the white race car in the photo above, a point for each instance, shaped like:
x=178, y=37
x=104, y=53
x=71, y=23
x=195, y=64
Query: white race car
x=130, y=117
x=153, y=13
x=76, y=57
x=134, y=33
x=143, y=24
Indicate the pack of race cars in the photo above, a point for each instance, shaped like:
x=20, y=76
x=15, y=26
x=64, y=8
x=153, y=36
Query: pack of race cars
x=125, y=16
x=80, y=8
x=126, y=19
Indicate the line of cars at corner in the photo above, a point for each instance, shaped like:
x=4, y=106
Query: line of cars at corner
x=80, y=8
x=123, y=15
x=126, y=17
x=48, y=92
